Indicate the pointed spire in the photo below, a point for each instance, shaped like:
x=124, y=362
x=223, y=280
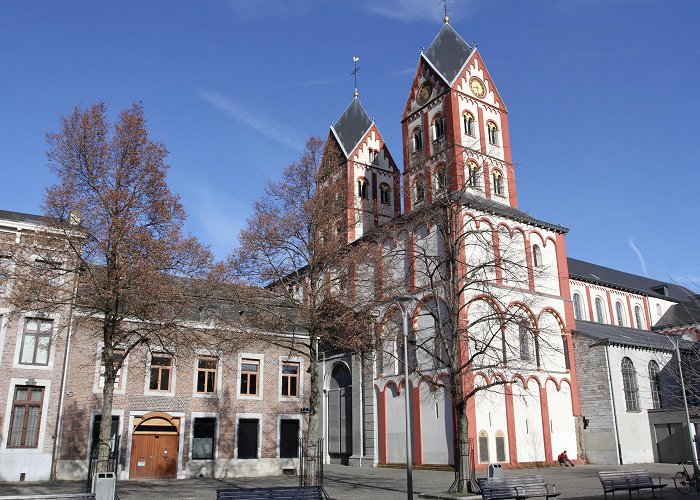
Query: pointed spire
x=351, y=126
x=448, y=52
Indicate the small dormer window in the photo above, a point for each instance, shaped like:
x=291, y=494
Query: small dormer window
x=497, y=178
x=472, y=174
x=468, y=123
x=493, y=134
x=385, y=194
x=374, y=156
x=417, y=139
x=362, y=188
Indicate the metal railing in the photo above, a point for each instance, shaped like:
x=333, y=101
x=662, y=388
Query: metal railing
x=310, y=463
x=102, y=460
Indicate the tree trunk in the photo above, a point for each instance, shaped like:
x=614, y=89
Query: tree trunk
x=105, y=435
x=314, y=394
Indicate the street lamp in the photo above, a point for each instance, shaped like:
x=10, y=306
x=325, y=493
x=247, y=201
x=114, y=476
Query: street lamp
x=676, y=340
x=404, y=302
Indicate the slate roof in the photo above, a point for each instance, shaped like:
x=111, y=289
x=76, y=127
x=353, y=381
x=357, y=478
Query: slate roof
x=493, y=207
x=448, y=53
x=682, y=314
x=351, y=126
x=579, y=269
x=21, y=217
x=627, y=337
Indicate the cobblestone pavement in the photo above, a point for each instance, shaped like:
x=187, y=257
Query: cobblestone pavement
x=580, y=482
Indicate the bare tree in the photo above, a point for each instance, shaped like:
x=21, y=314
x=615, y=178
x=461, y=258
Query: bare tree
x=295, y=247
x=114, y=243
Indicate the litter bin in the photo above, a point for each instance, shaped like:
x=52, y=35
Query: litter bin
x=104, y=485
x=495, y=470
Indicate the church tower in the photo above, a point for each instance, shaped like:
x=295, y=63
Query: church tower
x=373, y=180
x=455, y=127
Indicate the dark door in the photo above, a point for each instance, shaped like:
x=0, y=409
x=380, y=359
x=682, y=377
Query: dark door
x=248, y=438
x=289, y=438
x=340, y=412
x=671, y=443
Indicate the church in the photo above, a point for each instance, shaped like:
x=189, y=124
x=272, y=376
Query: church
x=542, y=329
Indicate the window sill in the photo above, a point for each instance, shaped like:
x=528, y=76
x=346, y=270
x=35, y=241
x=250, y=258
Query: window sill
x=203, y=395
x=23, y=366
x=251, y=398
x=290, y=399
x=164, y=394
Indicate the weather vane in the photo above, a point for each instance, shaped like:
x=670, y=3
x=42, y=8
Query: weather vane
x=355, y=59
x=444, y=5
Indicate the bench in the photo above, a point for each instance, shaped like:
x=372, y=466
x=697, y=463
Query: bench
x=629, y=480
x=55, y=496
x=501, y=488
x=280, y=493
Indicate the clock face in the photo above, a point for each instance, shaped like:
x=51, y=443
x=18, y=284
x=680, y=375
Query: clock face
x=477, y=87
x=424, y=93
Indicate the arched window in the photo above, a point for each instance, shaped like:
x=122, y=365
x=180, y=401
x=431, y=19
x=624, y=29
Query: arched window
x=493, y=133
x=497, y=178
x=362, y=188
x=655, y=382
x=438, y=127
x=524, y=338
x=468, y=123
x=658, y=309
x=483, y=447
x=472, y=174
x=384, y=194
x=420, y=189
x=536, y=256
x=619, y=315
x=374, y=156
x=578, y=309
x=500, y=446
x=629, y=385
x=417, y=139
x=638, y=317
x=442, y=179
x=599, y=310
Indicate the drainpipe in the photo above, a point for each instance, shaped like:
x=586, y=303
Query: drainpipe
x=362, y=409
x=61, y=401
x=614, y=407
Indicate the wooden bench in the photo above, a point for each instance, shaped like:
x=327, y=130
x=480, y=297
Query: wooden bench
x=629, y=480
x=55, y=496
x=501, y=488
x=280, y=493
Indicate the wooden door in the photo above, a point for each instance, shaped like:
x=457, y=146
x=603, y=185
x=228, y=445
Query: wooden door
x=154, y=456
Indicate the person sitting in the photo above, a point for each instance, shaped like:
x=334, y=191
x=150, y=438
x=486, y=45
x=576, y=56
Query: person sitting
x=564, y=459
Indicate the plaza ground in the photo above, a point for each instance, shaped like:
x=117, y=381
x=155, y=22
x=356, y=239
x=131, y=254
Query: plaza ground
x=580, y=482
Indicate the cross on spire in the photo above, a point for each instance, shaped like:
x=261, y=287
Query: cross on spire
x=355, y=59
x=446, y=19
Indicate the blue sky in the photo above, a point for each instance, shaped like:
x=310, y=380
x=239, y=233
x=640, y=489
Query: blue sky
x=602, y=98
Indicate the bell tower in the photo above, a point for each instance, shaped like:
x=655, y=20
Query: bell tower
x=373, y=180
x=455, y=127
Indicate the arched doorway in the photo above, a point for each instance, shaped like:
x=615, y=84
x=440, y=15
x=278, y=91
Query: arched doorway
x=340, y=414
x=154, y=446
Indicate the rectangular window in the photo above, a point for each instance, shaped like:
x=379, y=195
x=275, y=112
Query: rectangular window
x=248, y=438
x=118, y=361
x=289, y=438
x=290, y=379
x=26, y=417
x=36, y=342
x=161, y=367
x=249, y=377
x=204, y=432
x=206, y=375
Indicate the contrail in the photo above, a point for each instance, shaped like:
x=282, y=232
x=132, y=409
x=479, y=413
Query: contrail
x=639, y=254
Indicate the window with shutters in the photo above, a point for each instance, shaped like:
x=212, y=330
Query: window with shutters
x=25, y=418
x=497, y=180
x=492, y=133
x=362, y=188
x=472, y=174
